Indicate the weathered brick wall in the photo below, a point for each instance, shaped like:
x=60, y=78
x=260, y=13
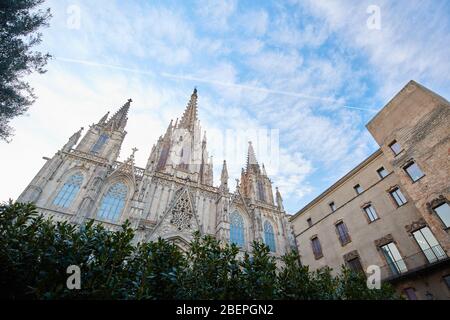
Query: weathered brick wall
x=419, y=121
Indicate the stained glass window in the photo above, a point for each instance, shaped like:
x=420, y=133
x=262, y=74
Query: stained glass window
x=269, y=236
x=99, y=144
x=68, y=191
x=113, y=202
x=237, y=231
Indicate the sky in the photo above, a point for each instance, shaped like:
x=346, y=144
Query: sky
x=299, y=78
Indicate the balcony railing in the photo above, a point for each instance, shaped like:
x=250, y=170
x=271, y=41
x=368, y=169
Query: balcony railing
x=413, y=263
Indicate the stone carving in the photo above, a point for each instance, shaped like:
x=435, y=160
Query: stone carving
x=384, y=240
x=182, y=212
x=435, y=202
x=351, y=255
x=416, y=225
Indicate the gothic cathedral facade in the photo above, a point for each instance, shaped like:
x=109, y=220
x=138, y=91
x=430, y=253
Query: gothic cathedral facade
x=172, y=197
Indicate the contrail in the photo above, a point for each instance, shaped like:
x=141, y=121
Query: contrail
x=215, y=82
x=241, y=86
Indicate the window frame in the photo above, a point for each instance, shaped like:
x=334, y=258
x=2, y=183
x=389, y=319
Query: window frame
x=381, y=169
x=398, y=271
x=344, y=238
x=408, y=165
x=68, y=191
x=395, y=142
x=271, y=242
x=367, y=206
x=317, y=254
x=391, y=192
x=439, y=216
x=436, y=250
x=113, y=201
x=359, y=269
x=356, y=187
x=332, y=206
x=241, y=236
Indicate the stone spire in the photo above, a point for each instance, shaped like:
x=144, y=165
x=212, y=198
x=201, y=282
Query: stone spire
x=279, y=200
x=168, y=133
x=103, y=119
x=251, y=158
x=73, y=140
x=224, y=178
x=119, y=120
x=264, y=170
x=190, y=114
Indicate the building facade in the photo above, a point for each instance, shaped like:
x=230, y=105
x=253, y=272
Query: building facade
x=392, y=210
x=172, y=197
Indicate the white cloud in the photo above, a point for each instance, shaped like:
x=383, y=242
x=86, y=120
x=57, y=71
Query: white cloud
x=321, y=51
x=216, y=13
x=408, y=46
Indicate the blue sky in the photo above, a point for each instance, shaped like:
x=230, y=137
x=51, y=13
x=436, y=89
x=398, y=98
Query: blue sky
x=312, y=71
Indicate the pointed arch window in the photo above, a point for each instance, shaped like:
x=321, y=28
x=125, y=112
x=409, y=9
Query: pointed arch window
x=237, y=229
x=269, y=236
x=113, y=202
x=261, y=193
x=68, y=191
x=100, y=143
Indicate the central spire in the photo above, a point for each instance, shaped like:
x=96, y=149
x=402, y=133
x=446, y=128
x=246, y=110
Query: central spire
x=190, y=114
x=251, y=157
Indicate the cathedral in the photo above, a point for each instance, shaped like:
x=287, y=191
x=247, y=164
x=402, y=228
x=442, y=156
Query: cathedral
x=171, y=198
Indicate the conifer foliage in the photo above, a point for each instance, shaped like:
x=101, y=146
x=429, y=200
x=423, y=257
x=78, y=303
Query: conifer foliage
x=20, y=21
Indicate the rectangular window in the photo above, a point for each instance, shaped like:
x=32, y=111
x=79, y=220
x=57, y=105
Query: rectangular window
x=342, y=231
x=332, y=206
x=395, y=147
x=429, y=245
x=382, y=172
x=371, y=213
x=355, y=265
x=309, y=220
x=413, y=170
x=316, y=247
x=410, y=293
x=443, y=212
x=393, y=258
x=358, y=189
x=398, y=196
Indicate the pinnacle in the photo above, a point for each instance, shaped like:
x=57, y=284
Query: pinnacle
x=251, y=157
x=119, y=119
x=190, y=114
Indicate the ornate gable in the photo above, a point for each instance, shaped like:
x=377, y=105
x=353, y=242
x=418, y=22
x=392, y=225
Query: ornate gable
x=179, y=219
x=182, y=212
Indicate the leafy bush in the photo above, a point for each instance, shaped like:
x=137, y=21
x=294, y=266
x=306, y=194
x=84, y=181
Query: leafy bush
x=35, y=253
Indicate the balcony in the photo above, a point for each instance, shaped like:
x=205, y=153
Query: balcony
x=415, y=264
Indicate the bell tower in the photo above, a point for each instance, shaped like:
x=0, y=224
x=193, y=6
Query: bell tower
x=104, y=138
x=255, y=184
